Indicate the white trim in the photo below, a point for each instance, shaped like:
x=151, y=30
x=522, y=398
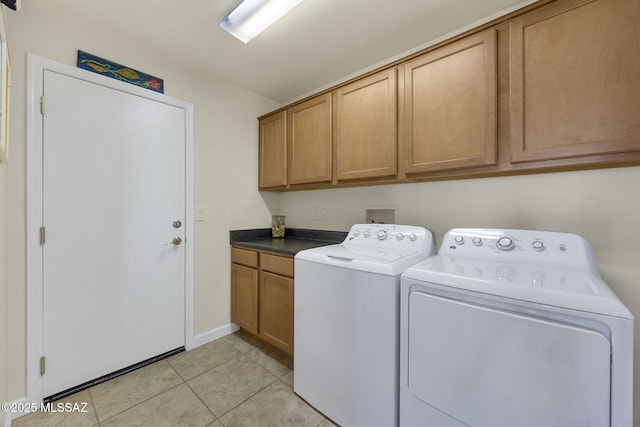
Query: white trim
x=36, y=66
x=214, y=334
x=10, y=416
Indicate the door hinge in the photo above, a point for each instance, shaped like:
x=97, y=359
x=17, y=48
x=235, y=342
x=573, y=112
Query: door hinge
x=42, y=365
x=42, y=104
x=42, y=235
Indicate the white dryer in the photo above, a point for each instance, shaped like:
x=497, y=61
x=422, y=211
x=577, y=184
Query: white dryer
x=511, y=328
x=346, y=322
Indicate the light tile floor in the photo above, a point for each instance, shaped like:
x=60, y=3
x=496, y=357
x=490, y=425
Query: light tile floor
x=233, y=381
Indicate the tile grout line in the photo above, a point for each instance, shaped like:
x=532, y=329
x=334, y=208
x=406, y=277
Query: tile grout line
x=137, y=404
x=202, y=401
x=275, y=379
x=142, y=401
x=249, y=398
x=93, y=405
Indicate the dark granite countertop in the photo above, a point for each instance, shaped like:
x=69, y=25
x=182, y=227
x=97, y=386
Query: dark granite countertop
x=294, y=240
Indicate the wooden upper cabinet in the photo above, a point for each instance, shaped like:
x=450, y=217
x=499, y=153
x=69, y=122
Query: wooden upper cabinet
x=365, y=127
x=273, y=151
x=309, y=139
x=449, y=114
x=575, y=85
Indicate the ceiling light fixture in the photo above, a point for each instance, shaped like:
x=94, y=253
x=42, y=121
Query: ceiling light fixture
x=251, y=17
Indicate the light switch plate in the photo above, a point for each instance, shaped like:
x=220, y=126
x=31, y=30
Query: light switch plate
x=201, y=214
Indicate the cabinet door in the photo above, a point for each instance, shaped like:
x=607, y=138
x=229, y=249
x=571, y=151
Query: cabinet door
x=273, y=151
x=244, y=297
x=450, y=106
x=575, y=89
x=366, y=128
x=276, y=311
x=309, y=138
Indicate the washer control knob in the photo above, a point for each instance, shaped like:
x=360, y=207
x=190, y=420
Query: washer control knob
x=413, y=237
x=537, y=246
x=356, y=233
x=382, y=234
x=477, y=241
x=459, y=240
x=366, y=234
x=505, y=244
x=399, y=236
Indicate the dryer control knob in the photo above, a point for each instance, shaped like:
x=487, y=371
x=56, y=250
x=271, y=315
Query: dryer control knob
x=459, y=240
x=413, y=237
x=537, y=246
x=477, y=241
x=366, y=234
x=505, y=244
x=399, y=236
x=356, y=233
x=382, y=234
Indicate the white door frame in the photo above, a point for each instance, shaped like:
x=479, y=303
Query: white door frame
x=35, y=76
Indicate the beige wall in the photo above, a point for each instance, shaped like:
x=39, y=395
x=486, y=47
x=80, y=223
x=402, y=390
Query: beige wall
x=4, y=284
x=4, y=327
x=225, y=154
x=601, y=205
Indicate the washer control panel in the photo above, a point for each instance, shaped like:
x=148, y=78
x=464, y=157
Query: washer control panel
x=520, y=245
x=391, y=236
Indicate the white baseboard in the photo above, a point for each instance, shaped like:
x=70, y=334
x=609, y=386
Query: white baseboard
x=214, y=334
x=10, y=416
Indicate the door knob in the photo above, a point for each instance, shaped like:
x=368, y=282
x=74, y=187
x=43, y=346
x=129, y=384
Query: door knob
x=176, y=241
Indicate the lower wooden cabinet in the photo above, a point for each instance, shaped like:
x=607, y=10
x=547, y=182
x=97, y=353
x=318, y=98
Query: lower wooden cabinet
x=262, y=289
x=276, y=310
x=244, y=297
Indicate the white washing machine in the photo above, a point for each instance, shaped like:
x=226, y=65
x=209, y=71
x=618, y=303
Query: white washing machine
x=347, y=318
x=509, y=328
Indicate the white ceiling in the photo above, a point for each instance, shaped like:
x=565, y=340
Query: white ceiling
x=317, y=43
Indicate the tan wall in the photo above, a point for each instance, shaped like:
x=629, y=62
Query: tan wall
x=601, y=205
x=4, y=285
x=225, y=160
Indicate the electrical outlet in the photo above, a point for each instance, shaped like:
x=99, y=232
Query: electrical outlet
x=320, y=214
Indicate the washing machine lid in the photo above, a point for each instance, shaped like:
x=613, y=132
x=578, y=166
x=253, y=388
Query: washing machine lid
x=570, y=288
x=389, y=262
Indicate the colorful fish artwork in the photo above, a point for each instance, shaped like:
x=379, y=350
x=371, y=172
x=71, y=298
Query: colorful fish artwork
x=111, y=69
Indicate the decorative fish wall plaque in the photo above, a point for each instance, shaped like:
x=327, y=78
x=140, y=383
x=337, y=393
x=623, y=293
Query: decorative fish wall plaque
x=116, y=71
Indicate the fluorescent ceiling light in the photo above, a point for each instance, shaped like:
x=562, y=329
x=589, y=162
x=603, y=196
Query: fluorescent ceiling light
x=251, y=17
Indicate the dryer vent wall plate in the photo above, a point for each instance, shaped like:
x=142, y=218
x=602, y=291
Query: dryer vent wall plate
x=380, y=216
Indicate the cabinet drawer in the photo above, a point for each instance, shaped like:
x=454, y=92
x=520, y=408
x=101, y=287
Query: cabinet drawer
x=244, y=256
x=277, y=264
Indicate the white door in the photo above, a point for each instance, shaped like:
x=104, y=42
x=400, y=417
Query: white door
x=113, y=186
